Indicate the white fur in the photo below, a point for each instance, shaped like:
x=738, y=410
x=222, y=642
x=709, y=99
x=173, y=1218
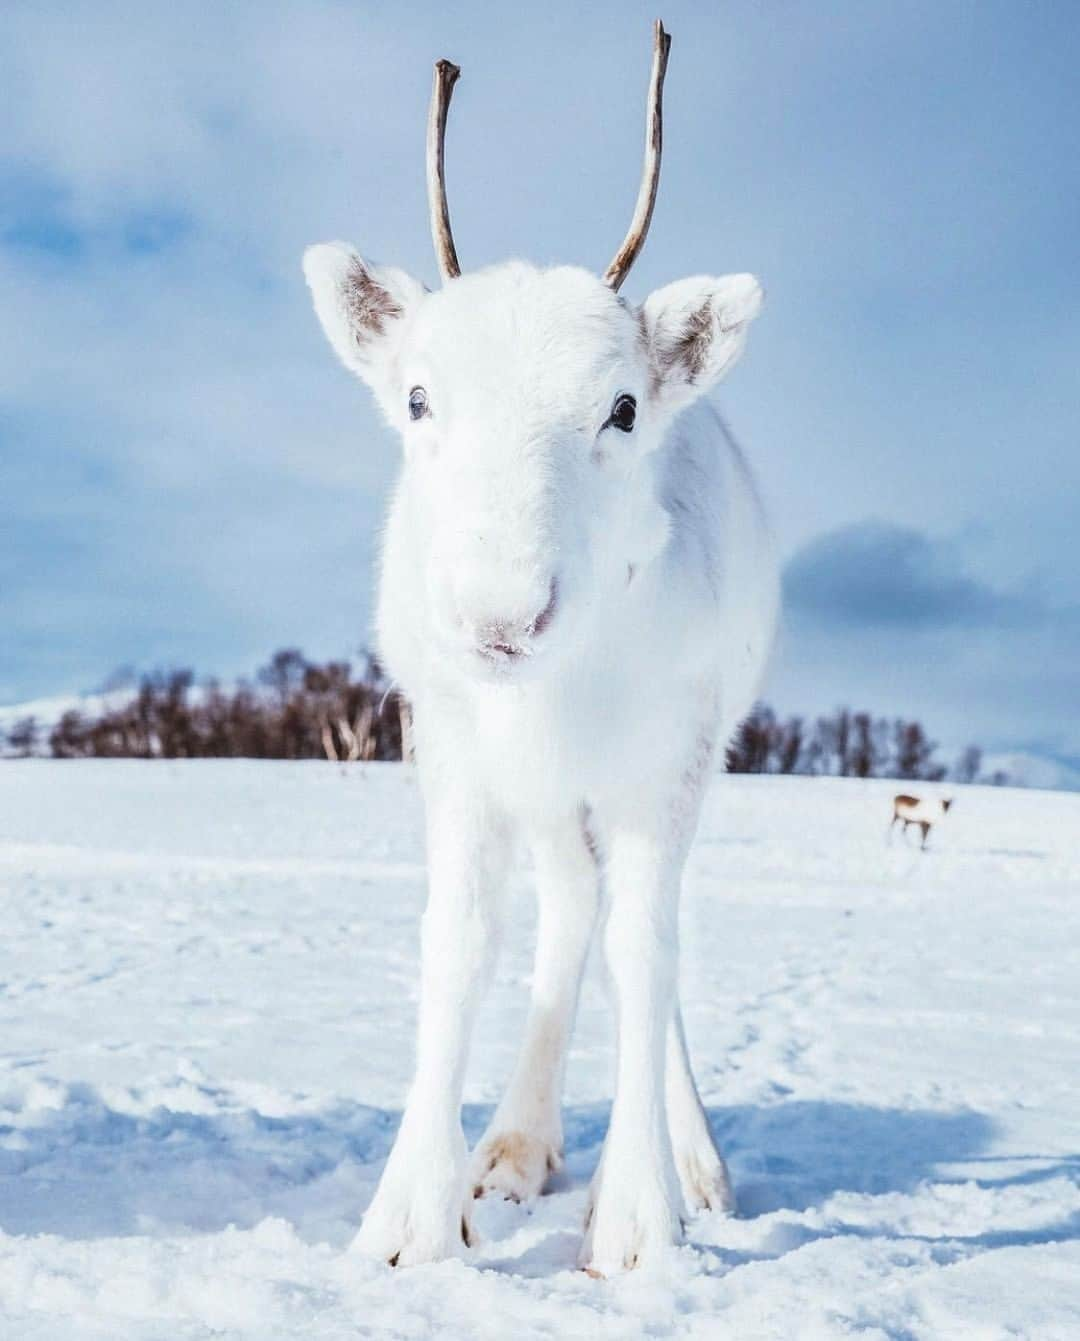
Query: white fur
x=596, y=741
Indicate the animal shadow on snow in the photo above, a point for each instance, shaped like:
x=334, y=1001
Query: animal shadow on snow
x=81, y=1169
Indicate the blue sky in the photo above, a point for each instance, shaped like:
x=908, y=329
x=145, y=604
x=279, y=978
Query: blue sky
x=188, y=478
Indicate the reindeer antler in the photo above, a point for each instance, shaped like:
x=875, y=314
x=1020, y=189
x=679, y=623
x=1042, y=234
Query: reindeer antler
x=650, y=173
x=442, y=88
x=446, y=76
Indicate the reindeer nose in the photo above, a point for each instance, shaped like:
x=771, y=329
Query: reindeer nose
x=513, y=637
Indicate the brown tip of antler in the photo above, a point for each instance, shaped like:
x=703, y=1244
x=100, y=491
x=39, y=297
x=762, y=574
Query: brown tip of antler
x=650, y=174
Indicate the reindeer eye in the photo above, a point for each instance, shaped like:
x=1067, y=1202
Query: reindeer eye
x=418, y=405
x=623, y=413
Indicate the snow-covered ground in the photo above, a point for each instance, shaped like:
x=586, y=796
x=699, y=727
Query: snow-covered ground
x=207, y=991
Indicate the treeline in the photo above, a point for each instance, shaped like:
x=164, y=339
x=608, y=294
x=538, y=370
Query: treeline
x=299, y=709
x=295, y=709
x=848, y=744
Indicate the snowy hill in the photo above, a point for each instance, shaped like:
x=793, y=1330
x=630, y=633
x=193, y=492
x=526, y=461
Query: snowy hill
x=1025, y=769
x=207, y=1003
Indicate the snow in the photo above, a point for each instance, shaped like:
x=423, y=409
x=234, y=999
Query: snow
x=207, y=986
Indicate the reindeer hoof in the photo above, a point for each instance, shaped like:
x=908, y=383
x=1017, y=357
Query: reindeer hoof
x=513, y=1165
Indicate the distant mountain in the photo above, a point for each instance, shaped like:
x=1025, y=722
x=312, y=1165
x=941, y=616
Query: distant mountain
x=1027, y=768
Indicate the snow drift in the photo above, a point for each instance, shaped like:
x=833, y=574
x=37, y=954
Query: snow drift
x=207, y=986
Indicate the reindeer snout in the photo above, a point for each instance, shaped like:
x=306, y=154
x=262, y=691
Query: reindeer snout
x=511, y=636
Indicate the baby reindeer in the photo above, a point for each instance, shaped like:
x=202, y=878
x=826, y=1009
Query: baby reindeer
x=912, y=810
x=577, y=597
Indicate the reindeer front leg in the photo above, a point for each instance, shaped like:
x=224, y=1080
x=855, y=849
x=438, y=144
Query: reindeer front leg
x=636, y=1205
x=523, y=1144
x=421, y=1210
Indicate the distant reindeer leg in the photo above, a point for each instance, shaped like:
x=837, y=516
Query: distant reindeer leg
x=523, y=1144
x=925, y=827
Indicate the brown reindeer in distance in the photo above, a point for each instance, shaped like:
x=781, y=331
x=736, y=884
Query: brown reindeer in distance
x=914, y=810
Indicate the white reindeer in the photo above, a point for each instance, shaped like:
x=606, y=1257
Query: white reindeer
x=577, y=596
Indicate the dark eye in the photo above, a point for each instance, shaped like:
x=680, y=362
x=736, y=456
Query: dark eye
x=622, y=414
x=418, y=405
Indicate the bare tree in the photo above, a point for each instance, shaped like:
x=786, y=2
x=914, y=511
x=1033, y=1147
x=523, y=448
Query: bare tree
x=843, y=744
x=969, y=765
x=297, y=710
x=22, y=737
x=914, y=753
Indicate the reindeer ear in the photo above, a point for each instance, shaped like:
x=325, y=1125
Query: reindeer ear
x=363, y=308
x=696, y=329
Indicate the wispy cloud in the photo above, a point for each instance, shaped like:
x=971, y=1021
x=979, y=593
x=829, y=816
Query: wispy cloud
x=881, y=616
x=878, y=574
